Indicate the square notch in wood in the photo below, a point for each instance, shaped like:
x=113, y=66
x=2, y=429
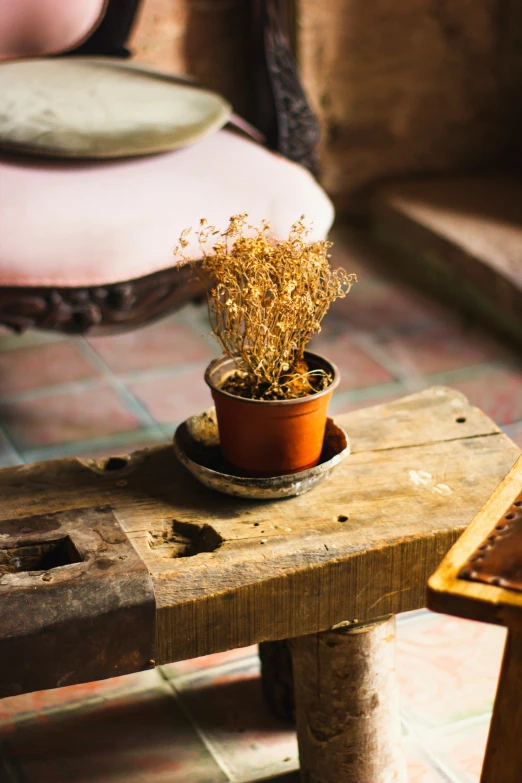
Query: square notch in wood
x=39, y=556
x=77, y=602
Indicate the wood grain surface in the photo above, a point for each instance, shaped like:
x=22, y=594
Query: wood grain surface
x=347, y=705
x=228, y=573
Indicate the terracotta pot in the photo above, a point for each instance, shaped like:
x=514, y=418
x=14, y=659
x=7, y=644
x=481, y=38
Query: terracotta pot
x=270, y=437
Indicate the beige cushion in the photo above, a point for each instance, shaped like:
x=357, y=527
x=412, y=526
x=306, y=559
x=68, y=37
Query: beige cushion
x=66, y=223
x=88, y=107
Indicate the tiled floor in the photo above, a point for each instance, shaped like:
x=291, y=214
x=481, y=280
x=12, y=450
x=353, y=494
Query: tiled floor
x=204, y=721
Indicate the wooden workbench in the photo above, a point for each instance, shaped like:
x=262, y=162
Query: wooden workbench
x=356, y=549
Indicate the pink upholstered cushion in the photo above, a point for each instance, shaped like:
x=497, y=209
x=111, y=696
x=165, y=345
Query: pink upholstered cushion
x=38, y=27
x=93, y=223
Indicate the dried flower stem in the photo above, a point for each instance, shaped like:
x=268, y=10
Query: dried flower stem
x=268, y=299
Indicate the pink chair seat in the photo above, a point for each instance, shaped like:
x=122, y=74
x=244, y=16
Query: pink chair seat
x=31, y=28
x=84, y=224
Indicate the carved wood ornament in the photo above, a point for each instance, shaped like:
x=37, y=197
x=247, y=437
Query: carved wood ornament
x=112, y=308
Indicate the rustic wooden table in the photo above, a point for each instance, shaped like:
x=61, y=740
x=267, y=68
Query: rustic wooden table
x=327, y=570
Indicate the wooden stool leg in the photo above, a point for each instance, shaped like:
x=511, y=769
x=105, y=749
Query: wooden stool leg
x=347, y=711
x=503, y=761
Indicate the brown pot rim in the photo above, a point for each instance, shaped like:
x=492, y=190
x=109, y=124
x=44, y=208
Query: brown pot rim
x=308, y=355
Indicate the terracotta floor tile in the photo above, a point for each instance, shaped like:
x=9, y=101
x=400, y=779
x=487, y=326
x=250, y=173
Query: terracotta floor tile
x=515, y=432
x=122, y=445
x=10, y=340
x=140, y=737
x=195, y=316
x=35, y=367
x=460, y=749
x=165, y=343
x=497, y=391
x=193, y=667
x=15, y=708
x=383, y=305
x=8, y=455
x=356, y=368
x=420, y=768
x=232, y=715
x=62, y=418
x=172, y=398
x=448, y=668
x=437, y=348
x=354, y=252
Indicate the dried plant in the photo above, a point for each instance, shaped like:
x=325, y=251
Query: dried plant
x=268, y=299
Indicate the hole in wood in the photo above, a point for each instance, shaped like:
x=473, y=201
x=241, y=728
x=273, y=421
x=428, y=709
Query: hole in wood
x=461, y=420
x=184, y=539
x=42, y=556
x=518, y=503
x=342, y=518
x=510, y=516
x=115, y=463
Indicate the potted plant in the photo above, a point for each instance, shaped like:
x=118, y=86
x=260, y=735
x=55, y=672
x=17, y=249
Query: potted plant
x=267, y=299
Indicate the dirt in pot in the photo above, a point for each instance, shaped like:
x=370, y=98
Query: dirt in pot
x=300, y=383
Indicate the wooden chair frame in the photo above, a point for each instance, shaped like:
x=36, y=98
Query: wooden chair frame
x=479, y=579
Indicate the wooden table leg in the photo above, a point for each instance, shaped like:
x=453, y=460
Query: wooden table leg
x=347, y=711
x=503, y=761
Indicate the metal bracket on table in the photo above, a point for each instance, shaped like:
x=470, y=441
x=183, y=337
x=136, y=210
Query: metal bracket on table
x=76, y=601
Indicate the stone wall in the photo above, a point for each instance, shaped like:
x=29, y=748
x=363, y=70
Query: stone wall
x=205, y=38
x=410, y=86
